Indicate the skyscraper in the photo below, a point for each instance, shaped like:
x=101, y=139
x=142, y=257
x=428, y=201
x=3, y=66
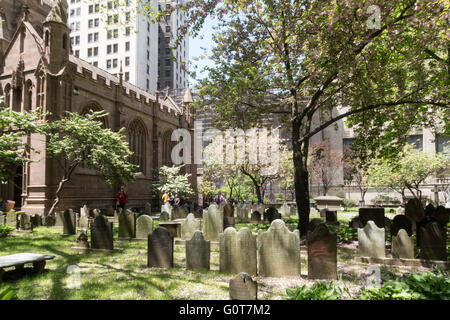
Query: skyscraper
x=108, y=36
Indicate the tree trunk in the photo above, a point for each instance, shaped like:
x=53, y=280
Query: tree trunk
x=58, y=194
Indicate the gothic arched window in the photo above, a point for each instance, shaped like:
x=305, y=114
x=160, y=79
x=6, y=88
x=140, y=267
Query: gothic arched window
x=7, y=96
x=29, y=96
x=94, y=106
x=137, y=144
x=167, y=145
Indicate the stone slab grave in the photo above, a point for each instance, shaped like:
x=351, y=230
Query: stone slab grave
x=431, y=239
x=374, y=214
x=144, y=227
x=189, y=226
x=371, y=241
x=174, y=227
x=271, y=214
x=331, y=203
x=68, y=219
x=402, y=238
x=19, y=260
x=212, y=223
x=102, y=234
x=198, y=252
x=322, y=253
x=278, y=251
x=127, y=224
x=228, y=216
x=160, y=249
x=243, y=287
x=237, y=251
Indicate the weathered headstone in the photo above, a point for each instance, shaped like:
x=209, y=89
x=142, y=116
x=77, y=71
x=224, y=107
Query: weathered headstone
x=242, y=212
x=11, y=218
x=271, y=214
x=167, y=208
x=355, y=223
x=312, y=225
x=243, y=287
x=261, y=208
x=36, y=220
x=189, y=226
x=144, y=226
x=84, y=211
x=322, y=253
x=401, y=221
x=372, y=214
x=160, y=249
x=285, y=211
x=429, y=209
x=238, y=251
x=25, y=222
x=102, y=234
x=83, y=222
x=148, y=208
x=256, y=217
x=278, y=251
x=179, y=212
x=198, y=252
x=441, y=214
x=49, y=220
x=414, y=211
x=431, y=239
x=331, y=217
x=402, y=245
x=212, y=223
x=164, y=216
x=198, y=213
x=127, y=224
x=293, y=209
x=58, y=219
x=371, y=241
x=68, y=218
x=82, y=240
x=228, y=216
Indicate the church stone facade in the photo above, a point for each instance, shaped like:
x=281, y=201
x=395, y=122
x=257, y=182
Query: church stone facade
x=37, y=70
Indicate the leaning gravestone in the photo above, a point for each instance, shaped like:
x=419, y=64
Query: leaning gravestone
x=164, y=216
x=271, y=214
x=212, y=223
x=25, y=222
x=160, y=249
x=102, y=234
x=237, y=251
x=371, y=241
x=431, y=239
x=189, y=226
x=228, y=216
x=322, y=253
x=278, y=251
x=243, y=287
x=179, y=212
x=256, y=217
x=198, y=252
x=374, y=214
x=414, y=211
x=127, y=224
x=68, y=218
x=144, y=227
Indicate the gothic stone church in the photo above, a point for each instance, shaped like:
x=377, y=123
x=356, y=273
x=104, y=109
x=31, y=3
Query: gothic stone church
x=37, y=70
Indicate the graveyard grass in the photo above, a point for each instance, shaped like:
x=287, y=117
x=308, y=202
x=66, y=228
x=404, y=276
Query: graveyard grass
x=124, y=274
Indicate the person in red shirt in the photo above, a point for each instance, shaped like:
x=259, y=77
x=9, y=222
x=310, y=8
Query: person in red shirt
x=122, y=198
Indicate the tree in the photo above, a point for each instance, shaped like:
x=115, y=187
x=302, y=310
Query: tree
x=76, y=139
x=286, y=172
x=408, y=173
x=171, y=180
x=14, y=149
x=387, y=70
x=325, y=164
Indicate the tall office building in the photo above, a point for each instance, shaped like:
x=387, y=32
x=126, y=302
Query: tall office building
x=170, y=68
x=107, y=36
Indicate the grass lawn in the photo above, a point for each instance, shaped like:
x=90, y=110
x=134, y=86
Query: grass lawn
x=124, y=273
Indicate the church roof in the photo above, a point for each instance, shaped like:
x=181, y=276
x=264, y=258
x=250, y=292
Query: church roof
x=57, y=14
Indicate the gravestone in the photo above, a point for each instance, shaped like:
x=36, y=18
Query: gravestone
x=285, y=211
x=212, y=223
x=82, y=240
x=179, y=212
x=237, y=251
x=25, y=222
x=167, y=208
x=278, y=251
x=164, y=216
x=49, y=220
x=322, y=253
x=58, y=220
x=293, y=209
x=431, y=239
x=144, y=227
x=401, y=221
x=2, y=219
x=371, y=241
x=242, y=212
x=148, y=209
x=372, y=214
x=68, y=219
x=248, y=208
x=441, y=214
x=198, y=213
x=387, y=225
x=160, y=249
x=402, y=245
x=271, y=214
x=355, y=223
x=243, y=287
x=36, y=220
x=429, y=210
x=414, y=211
x=228, y=216
x=198, y=252
x=11, y=218
x=331, y=217
x=261, y=209
x=83, y=222
x=312, y=225
x=84, y=211
x=102, y=234
x=189, y=226
x=256, y=217
x=127, y=224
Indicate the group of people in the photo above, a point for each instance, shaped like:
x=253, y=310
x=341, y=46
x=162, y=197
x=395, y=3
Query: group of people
x=173, y=200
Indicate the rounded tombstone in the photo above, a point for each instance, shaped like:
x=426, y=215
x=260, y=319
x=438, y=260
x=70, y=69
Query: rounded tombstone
x=355, y=223
x=441, y=214
x=312, y=225
x=429, y=209
x=401, y=222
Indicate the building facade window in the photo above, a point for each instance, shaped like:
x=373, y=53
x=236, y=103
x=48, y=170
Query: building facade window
x=416, y=140
x=137, y=144
x=443, y=145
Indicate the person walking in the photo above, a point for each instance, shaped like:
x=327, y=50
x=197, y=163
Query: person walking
x=165, y=197
x=122, y=198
